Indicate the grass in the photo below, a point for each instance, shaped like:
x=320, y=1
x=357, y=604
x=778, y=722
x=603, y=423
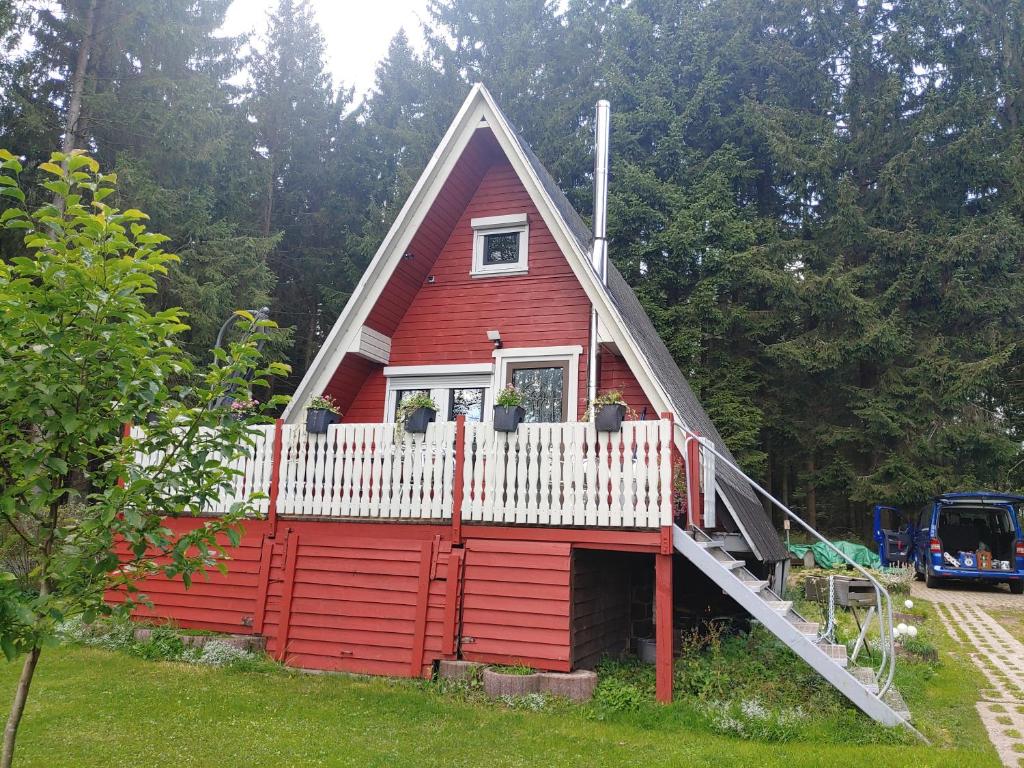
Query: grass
x=1012, y=621
x=113, y=708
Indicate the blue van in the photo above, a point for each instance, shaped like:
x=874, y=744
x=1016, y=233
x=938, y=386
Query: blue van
x=942, y=542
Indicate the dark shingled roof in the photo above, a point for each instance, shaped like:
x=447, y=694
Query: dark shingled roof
x=749, y=512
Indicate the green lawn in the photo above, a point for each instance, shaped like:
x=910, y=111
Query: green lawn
x=93, y=707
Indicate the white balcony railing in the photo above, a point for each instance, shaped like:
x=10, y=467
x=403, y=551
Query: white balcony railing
x=543, y=474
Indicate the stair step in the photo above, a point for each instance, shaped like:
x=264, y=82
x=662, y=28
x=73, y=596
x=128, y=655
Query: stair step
x=732, y=565
x=755, y=586
x=836, y=652
x=866, y=677
x=808, y=628
x=710, y=544
x=779, y=606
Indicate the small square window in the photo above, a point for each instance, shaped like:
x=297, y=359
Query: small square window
x=502, y=248
x=500, y=245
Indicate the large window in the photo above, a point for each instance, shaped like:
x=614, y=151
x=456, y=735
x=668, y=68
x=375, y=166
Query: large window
x=458, y=391
x=544, y=389
x=500, y=245
x=548, y=377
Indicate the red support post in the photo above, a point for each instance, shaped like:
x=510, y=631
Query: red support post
x=694, y=501
x=422, y=606
x=459, y=477
x=275, y=478
x=287, y=591
x=663, y=640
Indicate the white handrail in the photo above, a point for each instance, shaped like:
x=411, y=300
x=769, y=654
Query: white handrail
x=887, y=667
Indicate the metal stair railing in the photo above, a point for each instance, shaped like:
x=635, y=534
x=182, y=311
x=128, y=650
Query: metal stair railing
x=883, y=601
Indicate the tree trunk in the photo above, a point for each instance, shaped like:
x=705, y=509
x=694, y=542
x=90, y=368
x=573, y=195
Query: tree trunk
x=18, y=707
x=74, y=115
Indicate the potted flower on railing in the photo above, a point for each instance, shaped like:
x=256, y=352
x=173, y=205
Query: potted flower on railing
x=242, y=409
x=508, y=410
x=415, y=413
x=321, y=413
x=608, y=411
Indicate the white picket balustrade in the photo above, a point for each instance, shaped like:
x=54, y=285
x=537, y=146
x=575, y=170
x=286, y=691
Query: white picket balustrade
x=252, y=475
x=366, y=471
x=543, y=474
x=569, y=475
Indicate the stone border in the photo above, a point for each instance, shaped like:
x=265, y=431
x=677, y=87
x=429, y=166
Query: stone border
x=576, y=686
x=250, y=643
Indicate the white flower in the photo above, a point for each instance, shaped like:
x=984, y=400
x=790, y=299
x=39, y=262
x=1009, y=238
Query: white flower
x=912, y=630
x=908, y=603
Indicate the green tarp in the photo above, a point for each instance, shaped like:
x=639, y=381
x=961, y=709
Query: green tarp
x=826, y=558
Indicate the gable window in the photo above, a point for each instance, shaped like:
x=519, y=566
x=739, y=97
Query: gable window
x=500, y=245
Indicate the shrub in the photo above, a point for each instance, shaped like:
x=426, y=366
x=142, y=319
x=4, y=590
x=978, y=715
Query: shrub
x=163, y=644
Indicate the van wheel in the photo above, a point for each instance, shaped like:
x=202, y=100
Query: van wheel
x=1017, y=587
x=933, y=581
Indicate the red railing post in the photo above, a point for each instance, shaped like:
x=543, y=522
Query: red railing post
x=275, y=478
x=458, y=478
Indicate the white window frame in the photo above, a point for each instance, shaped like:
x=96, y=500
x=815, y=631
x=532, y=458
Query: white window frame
x=440, y=380
x=500, y=225
x=541, y=355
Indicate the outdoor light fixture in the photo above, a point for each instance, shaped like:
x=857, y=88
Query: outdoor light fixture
x=495, y=336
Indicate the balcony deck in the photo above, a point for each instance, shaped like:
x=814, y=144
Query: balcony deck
x=564, y=475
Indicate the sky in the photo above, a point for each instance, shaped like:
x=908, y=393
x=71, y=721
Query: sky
x=357, y=32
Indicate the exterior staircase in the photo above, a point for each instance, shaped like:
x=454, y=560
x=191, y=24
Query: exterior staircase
x=859, y=684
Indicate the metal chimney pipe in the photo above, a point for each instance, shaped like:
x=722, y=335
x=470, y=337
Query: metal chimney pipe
x=599, y=251
x=599, y=257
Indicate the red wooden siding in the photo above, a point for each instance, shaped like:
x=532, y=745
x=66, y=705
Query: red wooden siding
x=347, y=381
x=613, y=373
x=516, y=598
x=437, y=225
x=220, y=602
x=600, y=605
x=447, y=321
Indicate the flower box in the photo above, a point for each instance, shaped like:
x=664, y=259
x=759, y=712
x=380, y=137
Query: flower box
x=508, y=418
x=608, y=418
x=319, y=419
x=419, y=420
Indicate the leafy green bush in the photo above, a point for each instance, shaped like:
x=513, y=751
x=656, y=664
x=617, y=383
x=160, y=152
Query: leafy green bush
x=164, y=644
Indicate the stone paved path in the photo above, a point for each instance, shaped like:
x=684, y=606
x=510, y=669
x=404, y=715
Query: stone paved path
x=997, y=654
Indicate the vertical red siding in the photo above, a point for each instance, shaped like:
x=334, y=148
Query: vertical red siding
x=516, y=603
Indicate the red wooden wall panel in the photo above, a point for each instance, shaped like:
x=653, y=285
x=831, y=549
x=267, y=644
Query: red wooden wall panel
x=216, y=601
x=516, y=603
